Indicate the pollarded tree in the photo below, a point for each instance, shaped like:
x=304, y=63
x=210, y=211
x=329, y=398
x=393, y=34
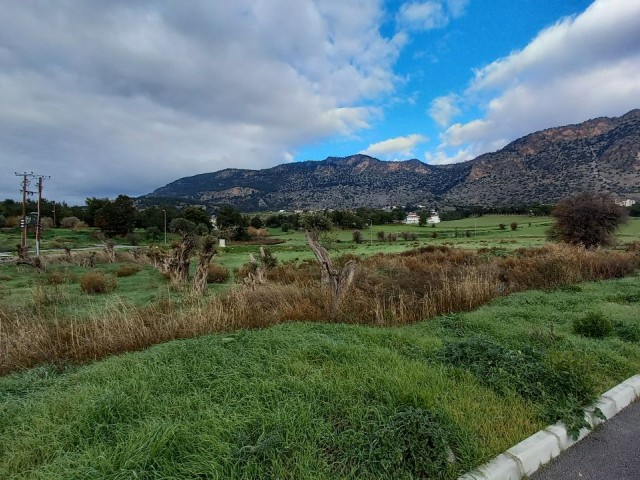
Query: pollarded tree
x=587, y=219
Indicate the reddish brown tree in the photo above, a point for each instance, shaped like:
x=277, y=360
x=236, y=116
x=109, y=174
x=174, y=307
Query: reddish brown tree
x=587, y=219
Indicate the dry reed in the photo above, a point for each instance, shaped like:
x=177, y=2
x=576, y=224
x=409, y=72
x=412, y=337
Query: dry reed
x=388, y=290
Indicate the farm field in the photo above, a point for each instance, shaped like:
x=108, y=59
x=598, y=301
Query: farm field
x=446, y=351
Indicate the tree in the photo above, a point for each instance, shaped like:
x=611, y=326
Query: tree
x=587, y=219
x=197, y=215
x=228, y=216
x=182, y=225
x=357, y=236
x=115, y=218
x=256, y=222
x=94, y=205
x=423, y=219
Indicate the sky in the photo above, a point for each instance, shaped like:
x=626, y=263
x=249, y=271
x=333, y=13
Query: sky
x=116, y=97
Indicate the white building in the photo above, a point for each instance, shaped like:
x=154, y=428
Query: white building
x=626, y=203
x=412, y=219
x=434, y=218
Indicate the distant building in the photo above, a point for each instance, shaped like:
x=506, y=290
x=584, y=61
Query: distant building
x=214, y=222
x=434, y=218
x=626, y=203
x=412, y=219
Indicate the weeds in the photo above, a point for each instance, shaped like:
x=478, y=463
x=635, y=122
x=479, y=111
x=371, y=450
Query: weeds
x=593, y=325
x=97, y=282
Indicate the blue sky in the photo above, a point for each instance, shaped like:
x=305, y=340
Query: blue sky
x=114, y=96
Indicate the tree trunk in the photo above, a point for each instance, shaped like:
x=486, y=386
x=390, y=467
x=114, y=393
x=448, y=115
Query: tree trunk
x=109, y=250
x=178, y=262
x=336, y=282
x=200, y=277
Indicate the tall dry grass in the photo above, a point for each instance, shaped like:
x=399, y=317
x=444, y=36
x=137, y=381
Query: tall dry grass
x=387, y=290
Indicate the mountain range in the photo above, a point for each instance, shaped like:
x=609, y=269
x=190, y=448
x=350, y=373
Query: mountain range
x=599, y=155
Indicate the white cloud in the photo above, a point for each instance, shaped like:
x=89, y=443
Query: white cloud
x=398, y=147
x=444, y=109
x=122, y=97
x=582, y=67
x=429, y=14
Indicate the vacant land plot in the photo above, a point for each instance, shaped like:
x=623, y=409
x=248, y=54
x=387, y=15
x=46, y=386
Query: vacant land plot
x=306, y=400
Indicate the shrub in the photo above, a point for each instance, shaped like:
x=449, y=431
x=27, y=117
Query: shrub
x=502, y=226
x=182, y=225
x=152, y=233
x=434, y=235
x=514, y=226
x=133, y=238
x=55, y=277
x=285, y=227
x=217, y=274
x=586, y=219
x=380, y=235
x=357, y=236
x=127, y=270
x=72, y=222
x=593, y=325
x=97, y=282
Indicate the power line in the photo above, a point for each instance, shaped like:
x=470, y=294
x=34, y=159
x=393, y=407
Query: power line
x=26, y=181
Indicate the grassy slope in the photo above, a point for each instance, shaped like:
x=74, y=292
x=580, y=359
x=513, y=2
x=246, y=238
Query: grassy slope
x=301, y=400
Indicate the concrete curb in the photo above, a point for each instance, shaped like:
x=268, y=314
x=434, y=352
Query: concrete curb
x=526, y=457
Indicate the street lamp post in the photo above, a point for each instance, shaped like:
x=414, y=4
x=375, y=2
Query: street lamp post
x=370, y=232
x=165, y=227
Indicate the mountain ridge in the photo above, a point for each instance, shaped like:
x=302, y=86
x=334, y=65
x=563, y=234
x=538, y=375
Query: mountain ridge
x=599, y=155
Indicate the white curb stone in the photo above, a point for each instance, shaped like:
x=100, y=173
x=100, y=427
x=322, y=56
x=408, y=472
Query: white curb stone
x=623, y=395
x=527, y=456
x=564, y=439
x=538, y=449
x=635, y=383
x=503, y=467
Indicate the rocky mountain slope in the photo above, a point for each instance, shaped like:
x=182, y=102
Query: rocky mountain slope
x=598, y=155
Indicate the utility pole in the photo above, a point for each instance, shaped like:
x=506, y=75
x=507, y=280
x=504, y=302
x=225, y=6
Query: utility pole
x=165, y=227
x=39, y=223
x=23, y=224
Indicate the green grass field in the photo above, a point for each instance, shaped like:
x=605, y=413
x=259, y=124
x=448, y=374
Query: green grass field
x=321, y=401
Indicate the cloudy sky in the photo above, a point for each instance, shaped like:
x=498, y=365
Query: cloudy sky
x=117, y=96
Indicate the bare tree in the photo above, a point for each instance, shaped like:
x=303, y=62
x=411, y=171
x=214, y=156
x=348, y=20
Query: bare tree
x=206, y=254
x=259, y=268
x=337, y=282
x=177, y=264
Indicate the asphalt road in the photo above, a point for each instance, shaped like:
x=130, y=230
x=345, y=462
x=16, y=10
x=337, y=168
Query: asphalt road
x=611, y=452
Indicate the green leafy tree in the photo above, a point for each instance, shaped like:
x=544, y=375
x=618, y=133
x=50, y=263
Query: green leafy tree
x=587, y=219
x=197, y=215
x=94, y=205
x=256, y=222
x=228, y=216
x=182, y=225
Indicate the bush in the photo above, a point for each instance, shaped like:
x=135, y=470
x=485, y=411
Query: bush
x=285, y=227
x=380, y=235
x=502, y=226
x=587, y=219
x=152, y=233
x=217, y=274
x=182, y=225
x=55, y=277
x=357, y=236
x=514, y=226
x=72, y=222
x=593, y=325
x=97, y=282
x=133, y=238
x=127, y=270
